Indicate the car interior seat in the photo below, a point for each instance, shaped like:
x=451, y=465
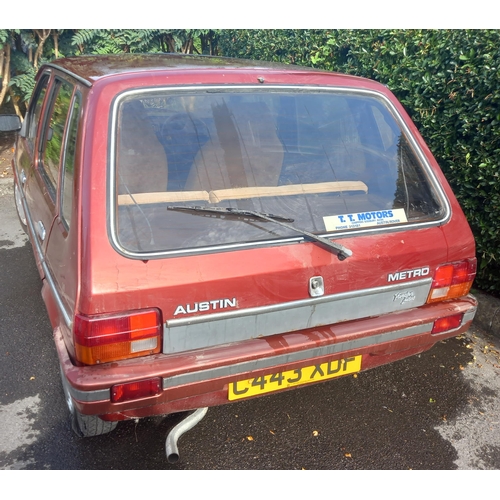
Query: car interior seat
x=141, y=160
x=245, y=151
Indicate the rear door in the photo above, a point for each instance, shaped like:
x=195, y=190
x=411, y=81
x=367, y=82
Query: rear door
x=44, y=144
x=27, y=155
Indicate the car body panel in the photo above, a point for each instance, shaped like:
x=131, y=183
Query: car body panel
x=237, y=312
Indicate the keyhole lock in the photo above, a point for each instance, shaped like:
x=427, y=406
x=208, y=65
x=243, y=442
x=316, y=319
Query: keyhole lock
x=316, y=286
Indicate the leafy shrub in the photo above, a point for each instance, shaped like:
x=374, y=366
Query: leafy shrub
x=23, y=51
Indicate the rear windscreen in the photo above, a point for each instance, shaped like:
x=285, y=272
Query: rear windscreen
x=326, y=162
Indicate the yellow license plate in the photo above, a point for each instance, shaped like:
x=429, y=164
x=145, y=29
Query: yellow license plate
x=300, y=376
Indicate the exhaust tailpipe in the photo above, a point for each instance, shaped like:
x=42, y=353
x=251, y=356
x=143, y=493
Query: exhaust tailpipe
x=181, y=428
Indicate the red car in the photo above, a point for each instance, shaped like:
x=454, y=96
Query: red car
x=209, y=229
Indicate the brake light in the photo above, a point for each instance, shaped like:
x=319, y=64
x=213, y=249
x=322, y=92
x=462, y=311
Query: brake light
x=136, y=390
x=449, y=323
x=452, y=280
x=105, y=338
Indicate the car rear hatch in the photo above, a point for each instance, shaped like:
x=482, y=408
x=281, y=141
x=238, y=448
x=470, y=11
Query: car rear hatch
x=275, y=210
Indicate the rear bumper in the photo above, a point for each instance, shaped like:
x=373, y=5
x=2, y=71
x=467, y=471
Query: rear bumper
x=200, y=378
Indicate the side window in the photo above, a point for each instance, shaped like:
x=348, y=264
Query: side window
x=54, y=134
x=36, y=111
x=69, y=163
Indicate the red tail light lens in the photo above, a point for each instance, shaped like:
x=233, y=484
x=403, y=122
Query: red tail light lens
x=136, y=390
x=105, y=338
x=452, y=280
x=448, y=323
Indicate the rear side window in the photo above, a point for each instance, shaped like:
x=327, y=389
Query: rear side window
x=331, y=161
x=36, y=111
x=54, y=134
x=69, y=162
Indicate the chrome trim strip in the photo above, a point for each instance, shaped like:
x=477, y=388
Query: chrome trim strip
x=112, y=233
x=238, y=325
x=315, y=352
x=252, y=311
x=46, y=271
x=469, y=315
x=89, y=396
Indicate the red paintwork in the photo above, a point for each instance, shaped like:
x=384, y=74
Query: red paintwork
x=94, y=278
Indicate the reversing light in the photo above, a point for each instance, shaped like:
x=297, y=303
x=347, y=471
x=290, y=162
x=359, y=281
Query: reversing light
x=448, y=323
x=452, y=280
x=136, y=390
x=105, y=338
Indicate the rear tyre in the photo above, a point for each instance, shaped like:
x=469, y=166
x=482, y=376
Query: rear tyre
x=84, y=425
x=90, y=425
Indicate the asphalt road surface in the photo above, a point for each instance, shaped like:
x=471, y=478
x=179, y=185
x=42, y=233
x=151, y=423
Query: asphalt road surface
x=439, y=410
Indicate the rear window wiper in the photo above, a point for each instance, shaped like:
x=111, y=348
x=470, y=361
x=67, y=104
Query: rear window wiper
x=341, y=251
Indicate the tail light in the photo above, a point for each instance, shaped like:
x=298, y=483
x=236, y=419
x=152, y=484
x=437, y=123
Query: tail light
x=136, y=390
x=452, y=280
x=105, y=338
x=448, y=323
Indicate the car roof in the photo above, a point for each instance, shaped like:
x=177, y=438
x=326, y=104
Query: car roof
x=91, y=68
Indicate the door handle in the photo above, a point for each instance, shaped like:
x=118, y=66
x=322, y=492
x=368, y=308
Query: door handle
x=22, y=176
x=40, y=230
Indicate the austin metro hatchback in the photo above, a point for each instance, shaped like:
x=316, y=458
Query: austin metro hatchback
x=209, y=230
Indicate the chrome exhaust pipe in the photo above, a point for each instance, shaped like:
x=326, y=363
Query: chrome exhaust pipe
x=181, y=428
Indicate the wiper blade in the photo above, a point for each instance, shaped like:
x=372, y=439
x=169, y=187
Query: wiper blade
x=230, y=211
x=341, y=251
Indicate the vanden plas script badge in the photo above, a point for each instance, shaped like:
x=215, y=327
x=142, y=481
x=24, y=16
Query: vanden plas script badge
x=403, y=297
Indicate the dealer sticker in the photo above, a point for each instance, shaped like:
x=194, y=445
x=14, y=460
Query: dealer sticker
x=364, y=219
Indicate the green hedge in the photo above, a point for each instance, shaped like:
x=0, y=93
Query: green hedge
x=448, y=81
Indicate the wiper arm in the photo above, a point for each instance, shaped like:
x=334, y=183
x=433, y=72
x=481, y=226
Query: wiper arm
x=341, y=251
